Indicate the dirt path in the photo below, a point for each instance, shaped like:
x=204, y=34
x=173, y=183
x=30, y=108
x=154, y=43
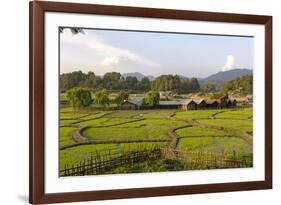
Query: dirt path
x=174, y=140
x=78, y=137
x=213, y=116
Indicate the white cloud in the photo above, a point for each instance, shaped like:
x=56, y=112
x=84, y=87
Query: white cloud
x=229, y=63
x=110, y=61
x=109, y=56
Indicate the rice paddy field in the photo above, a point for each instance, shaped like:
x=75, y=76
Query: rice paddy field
x=188, y=140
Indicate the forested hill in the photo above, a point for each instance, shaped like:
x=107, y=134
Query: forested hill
x=116, y=82
x=228, y=75
x=240, y=85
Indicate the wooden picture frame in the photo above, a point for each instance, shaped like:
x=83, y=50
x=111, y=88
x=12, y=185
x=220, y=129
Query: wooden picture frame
x=37, y=11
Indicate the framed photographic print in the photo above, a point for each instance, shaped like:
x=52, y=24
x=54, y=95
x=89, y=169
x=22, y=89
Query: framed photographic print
x=139, y=102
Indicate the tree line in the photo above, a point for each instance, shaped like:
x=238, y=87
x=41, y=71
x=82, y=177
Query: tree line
x=175, y=83
x=241, y=85
x=79, y=92
x=80, y=98
x=114, y=81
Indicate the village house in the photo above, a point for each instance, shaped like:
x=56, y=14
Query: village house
x=212, y=104
x=231, y=103
x=188, y=105
x=201, y=104
x=132, y=104
x=169, y=104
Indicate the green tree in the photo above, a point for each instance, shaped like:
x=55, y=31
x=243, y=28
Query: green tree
x=144, y=84
x=121, y=97
x=102, y=98
x=241, y=85
x=208, y=87
x=90, y=81
x=166, y=83
x=131, y=83
x=194, y=85
x=152, y=98
x=111, y=81
x=71, y=80
x=184, y=86
x=79, y=97
x=189, y=86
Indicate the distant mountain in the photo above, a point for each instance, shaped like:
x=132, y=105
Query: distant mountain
x=150, y=77
x=224, y=76
x=138, y=75
x=219, y=77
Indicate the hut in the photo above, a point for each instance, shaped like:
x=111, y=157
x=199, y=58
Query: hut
x=188, y=105
x=231, y=103
x=132, y=104
x=169, y=104
x=234, y=103
x=201, y=104
x=212, y=104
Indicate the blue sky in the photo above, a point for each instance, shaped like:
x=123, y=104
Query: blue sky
x=153, y=53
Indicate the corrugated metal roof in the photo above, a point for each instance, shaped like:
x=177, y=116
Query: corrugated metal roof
x=136, y=101
x=198, y=101
x=169, y=102
x=186, y=102
x=210, y=101
x=231, y=100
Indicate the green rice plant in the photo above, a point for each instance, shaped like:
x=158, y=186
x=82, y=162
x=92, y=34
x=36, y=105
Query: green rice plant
x=65, y=135
x=127, y=114
x=215, y=144
x=156, y=114
x=92, y=115
x=243, y=114
x=106, y=121
x=239, y=125
x=75, y=155
x=66, y=109
x=196, y=113
x=159, y=124
x=128, y=147
x=71, y=115
x=199, y=132
x=144, y=129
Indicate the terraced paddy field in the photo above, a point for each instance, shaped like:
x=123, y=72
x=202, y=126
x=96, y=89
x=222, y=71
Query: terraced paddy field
x=122, y=141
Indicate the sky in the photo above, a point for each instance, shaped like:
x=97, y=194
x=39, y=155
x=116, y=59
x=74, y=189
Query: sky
x=152, y=53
